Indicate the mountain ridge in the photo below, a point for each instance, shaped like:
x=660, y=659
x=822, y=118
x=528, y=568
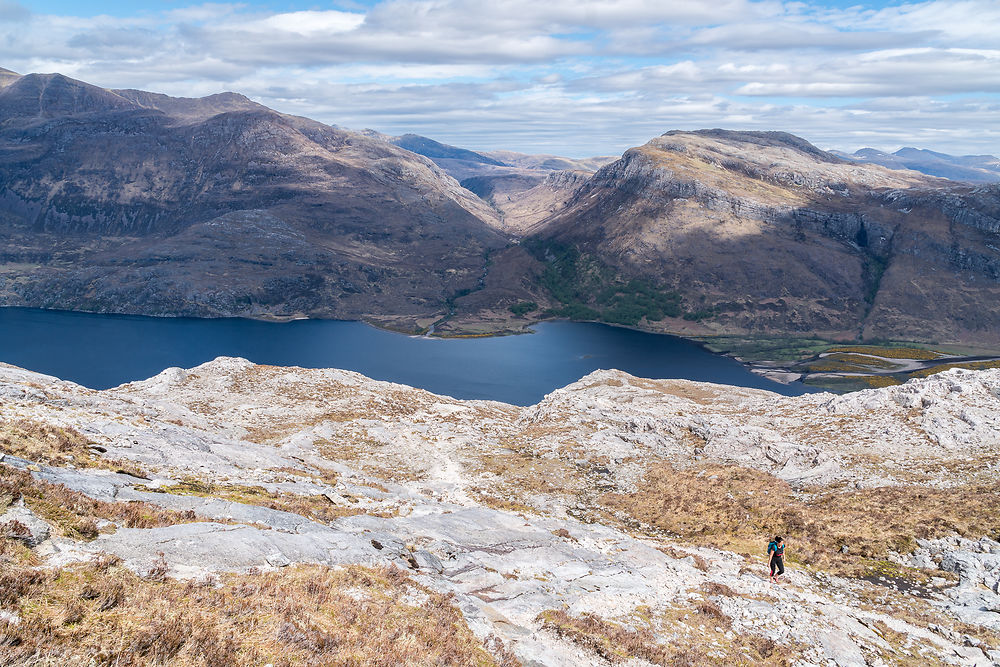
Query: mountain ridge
x=128, y=201
x=101, y=187
x=635, y=509
x=969, y=168
x=803, y=243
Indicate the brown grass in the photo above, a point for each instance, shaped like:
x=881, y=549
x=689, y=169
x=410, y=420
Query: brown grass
x=969, y=365
x=677, y=554
x=297, y=616
x=919, y=612
x=317, y=508
x=611, y=641
x=514, y=480
x=57, y=446
x=617, y=644
x=879, y=381
x=715, y=588
x=740, y=509
x=888, y=352
x=862, y=360
x=73, y=514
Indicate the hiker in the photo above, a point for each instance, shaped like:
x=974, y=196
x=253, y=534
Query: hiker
x=776, y=558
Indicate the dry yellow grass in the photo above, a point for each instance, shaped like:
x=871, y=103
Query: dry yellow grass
x=609, y=640
x=827, y=365
x=739, y=509
x=888, y=352
x=56, y=446
x=317, y=508
x=877, y=381
x=862, y=360
x=970, y=365
x=617, y=644
x=298, y=616
x=73, y=514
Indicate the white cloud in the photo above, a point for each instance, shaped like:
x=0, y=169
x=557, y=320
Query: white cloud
x=13, y=11
x=305, y=23
x=571, y=76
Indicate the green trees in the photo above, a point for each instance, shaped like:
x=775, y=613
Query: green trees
x=587, y=289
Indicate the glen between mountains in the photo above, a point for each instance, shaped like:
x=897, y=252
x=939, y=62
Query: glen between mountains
x=132, y=202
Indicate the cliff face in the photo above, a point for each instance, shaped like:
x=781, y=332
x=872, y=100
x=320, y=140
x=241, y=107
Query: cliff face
x=631, y=510
x=133, y=202
x=771, y=235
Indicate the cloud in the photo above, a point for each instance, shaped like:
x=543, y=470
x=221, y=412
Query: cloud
x=774, y=36
x=13, y=11
x=571, y=76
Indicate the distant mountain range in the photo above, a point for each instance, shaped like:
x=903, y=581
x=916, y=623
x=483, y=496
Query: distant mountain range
x=129, y=201
x=971, y=168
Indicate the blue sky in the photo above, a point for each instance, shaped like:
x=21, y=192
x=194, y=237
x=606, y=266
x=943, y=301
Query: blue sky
x=572, y=77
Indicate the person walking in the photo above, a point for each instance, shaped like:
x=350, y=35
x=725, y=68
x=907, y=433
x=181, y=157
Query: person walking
x=776, y=558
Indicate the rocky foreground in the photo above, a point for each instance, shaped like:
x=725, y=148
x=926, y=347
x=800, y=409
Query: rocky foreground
x=242, y=514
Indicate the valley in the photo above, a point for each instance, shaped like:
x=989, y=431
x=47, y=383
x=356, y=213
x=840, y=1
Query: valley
x=130, y=202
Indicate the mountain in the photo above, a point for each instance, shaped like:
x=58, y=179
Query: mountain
x=763, y=233
x=523, y=189
x=7, y=77
x=136, y=202
x=127, y=201
x=438, y=151
x=233, y=514
x=971, y=168
x=546, y=162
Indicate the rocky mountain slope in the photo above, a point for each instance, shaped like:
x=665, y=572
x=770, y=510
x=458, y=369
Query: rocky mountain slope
x=523, y=189
x=971, y=168
x=129, y=201
x=135, y=202
x=620, y=520
x=764, y=233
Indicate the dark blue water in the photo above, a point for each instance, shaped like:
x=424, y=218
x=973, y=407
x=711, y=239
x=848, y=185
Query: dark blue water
x=101, y=351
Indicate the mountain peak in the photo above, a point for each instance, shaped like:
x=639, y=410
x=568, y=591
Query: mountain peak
x=435, y=149
x=56, y=94
x=192, y=108
x=969, y=168
x=8, y=77
x=759, y=138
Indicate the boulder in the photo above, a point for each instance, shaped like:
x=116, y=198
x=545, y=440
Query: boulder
x=21, y=523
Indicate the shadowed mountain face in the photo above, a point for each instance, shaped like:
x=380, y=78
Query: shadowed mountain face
x=971, y=168
x=436, y=150
x=763, y=232
x=128, y=201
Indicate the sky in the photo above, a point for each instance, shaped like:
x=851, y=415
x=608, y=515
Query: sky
x=570, y=77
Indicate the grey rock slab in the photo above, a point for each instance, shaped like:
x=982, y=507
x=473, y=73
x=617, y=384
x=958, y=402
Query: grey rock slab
x=215, y=508
x=98, y=484
x=31, y=529
x=195, y=548
x=841, y=650
x=428, y=561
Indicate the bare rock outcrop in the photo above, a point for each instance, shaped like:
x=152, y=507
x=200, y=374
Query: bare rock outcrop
x=505, y=507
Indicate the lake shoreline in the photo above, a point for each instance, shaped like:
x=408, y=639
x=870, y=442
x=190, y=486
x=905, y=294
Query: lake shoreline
x=775, y=374
x=780, y=359
x=103, y=350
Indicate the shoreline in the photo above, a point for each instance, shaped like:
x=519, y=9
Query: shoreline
x=782, y=371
